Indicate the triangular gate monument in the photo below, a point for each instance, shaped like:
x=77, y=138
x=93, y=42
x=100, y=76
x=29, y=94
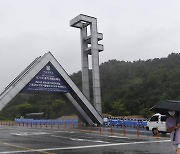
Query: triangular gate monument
x=46, y=74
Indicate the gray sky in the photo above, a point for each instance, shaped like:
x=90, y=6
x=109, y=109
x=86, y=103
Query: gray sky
x=132, y=29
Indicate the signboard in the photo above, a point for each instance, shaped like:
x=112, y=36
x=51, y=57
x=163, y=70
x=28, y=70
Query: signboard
x=47, y=80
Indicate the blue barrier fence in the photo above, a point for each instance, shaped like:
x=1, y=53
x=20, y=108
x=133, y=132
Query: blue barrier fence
x=110, y=122
x=126, y=123
x=47, y=122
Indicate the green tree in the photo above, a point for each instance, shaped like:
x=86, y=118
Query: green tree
x=119, y=108
x=23, y=109
x=58, y=107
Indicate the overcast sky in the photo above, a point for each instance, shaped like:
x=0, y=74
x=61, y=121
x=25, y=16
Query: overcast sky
x=132, y=30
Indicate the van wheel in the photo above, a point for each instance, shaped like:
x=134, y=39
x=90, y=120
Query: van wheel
x=155, y=131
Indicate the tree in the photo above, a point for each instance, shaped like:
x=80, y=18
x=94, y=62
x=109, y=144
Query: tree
x=58, y=107
x=119, y=108
x=23, y=109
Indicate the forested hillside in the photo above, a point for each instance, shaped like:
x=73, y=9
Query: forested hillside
x=128, y=88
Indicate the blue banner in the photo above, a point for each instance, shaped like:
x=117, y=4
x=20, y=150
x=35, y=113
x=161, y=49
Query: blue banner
x=48, y=80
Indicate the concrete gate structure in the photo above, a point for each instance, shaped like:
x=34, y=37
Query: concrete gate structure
x=46, y=74
x=90, y=46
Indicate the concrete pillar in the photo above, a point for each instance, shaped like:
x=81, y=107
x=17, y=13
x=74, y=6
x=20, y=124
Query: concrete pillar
x=95, y=66
x=85, y=64
x=90, y=46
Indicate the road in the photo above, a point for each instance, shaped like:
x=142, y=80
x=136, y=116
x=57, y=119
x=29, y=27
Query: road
x=66, y=140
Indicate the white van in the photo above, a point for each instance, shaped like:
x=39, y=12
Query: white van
x=157, y=123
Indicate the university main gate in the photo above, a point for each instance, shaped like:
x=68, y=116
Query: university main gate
x=45, y=74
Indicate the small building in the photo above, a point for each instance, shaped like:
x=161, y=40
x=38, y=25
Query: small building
x=39, y=115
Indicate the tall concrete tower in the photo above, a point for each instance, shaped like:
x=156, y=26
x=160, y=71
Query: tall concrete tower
x=90, y=46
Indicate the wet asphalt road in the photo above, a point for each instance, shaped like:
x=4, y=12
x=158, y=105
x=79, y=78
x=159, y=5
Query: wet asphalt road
x=66, y=140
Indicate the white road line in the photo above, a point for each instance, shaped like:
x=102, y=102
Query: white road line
x=60, y=136
x=84, y=147
x=118, y=137
x=112, y=136
x=80, y=139
x=85, y=140
x=61, y=131
x=28, y=133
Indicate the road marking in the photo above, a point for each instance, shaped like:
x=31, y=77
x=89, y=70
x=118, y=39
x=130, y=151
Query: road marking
x=80, y=139
x=112, y=136
x=28, y=133
x=118, y=137
x=84, y=147
x=86, y=140
x=27, y=149
x=64, y=131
